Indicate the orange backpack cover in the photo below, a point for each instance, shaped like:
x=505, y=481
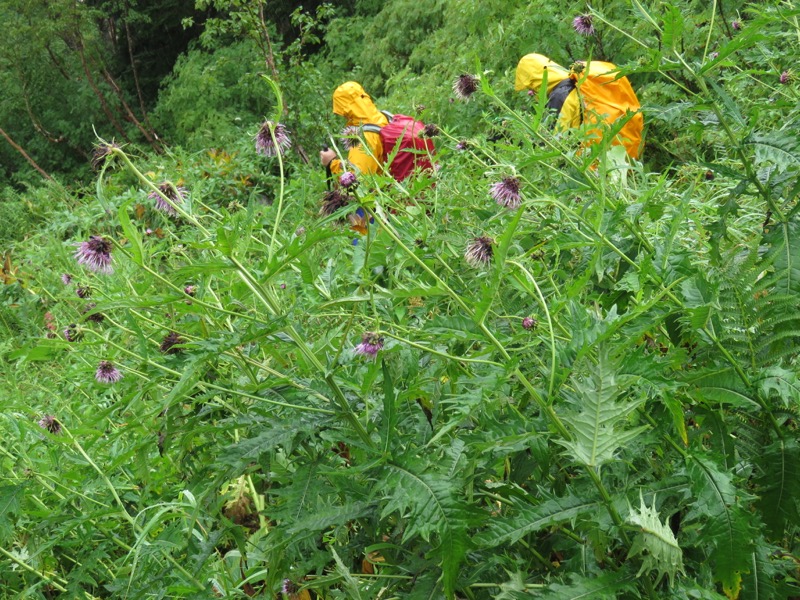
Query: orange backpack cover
x=605, y=96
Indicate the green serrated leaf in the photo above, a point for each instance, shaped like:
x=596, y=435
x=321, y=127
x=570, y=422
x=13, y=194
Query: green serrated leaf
x=523, y=520
x=597, y=421
x=655, y=543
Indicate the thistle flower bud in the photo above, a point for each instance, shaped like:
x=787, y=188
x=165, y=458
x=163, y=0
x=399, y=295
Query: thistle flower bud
x=506, y=193
x=169, y=345
x=371, y=344
x=479, y=251
x=50, y=423
x=174, y=194
x=348, y=179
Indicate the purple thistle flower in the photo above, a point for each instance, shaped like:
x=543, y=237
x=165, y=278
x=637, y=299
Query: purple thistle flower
x=348, y=179
x=465, y=86
x=173, y=193
x=333, y=201
x=107, y=372
x=506, y=193
x=169, y=345
x=371, y=344
x=351, y=137
x=583, y=24
x=479, y=251
x=784, y=78
x=529, y=323
x=190, y=290
x=50, y=423
x=430, y=130
x=264, y=143
x=736, y=25
x=66, y=278
x=462, y=145
x=83, y=291
x=95, y=254
x=101, y=153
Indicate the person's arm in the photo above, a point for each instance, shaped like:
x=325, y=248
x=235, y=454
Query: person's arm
x=358, y=159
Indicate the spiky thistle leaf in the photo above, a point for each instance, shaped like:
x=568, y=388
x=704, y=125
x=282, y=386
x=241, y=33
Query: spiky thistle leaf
x=726, y=524
x=431, y=503
x=603, y=402
x=655, y=543
x=529, y=519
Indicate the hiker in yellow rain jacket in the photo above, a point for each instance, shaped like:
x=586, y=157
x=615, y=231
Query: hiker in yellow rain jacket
x=591, y=93
x=354, y=104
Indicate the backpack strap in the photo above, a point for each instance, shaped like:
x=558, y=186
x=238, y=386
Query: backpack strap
x=559, y=95
x=372, y=128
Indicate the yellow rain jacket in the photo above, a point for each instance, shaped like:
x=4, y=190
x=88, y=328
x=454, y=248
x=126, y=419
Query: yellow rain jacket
x=599, y=96
x=354, y=104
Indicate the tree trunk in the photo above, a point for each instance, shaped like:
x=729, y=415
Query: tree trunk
x=19, y=149
x=133, y=67
x=99, y=94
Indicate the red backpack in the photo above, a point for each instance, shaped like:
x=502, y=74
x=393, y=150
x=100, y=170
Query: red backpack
x=404, y=145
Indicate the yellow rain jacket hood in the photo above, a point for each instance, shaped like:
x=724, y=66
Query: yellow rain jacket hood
x=530, y=73
x=600, y=96
x=354, y=104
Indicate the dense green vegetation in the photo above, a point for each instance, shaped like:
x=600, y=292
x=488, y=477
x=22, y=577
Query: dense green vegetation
x=255, y=398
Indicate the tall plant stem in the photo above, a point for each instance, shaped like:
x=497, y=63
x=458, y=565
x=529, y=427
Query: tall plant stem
x=30, y=569
x=543, y=304
x=301, y=344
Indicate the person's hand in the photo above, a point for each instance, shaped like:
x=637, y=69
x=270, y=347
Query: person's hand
x=326, y=156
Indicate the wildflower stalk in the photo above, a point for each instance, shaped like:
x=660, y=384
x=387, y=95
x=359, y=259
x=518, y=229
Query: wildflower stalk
x=534, y=393
x=543, y=304
x=181, y=291
x=430, y=350
x=102, y=475
x=737, y=147
x=212, y=386
x=278, y=113
x=246, y=360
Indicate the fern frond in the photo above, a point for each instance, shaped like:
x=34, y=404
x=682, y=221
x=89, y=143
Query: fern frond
x=779, y=486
